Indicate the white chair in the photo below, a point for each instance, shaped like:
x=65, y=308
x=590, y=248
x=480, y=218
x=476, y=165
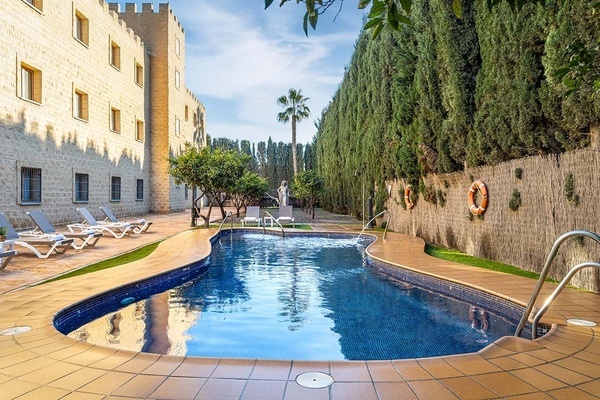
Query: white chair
x=286, y=216
x=118, y=230
x=57, y=243
x=139, y=226
x=252, y=216
x=44, y=227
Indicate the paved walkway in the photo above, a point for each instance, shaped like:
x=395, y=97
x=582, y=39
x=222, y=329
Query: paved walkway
x=42, y=363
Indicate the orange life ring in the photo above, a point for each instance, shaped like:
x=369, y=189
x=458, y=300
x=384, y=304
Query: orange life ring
x=478, y=186
x=407, y=201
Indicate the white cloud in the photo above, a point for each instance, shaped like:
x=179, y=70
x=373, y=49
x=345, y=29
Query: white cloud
x=241, y=58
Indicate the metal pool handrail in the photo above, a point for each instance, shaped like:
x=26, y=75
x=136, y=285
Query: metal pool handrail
x=544, y=273
x=277, y=222
x=373, y=219
x=552, y=297
x=227, y=214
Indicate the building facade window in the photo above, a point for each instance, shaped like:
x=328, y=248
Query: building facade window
x=186, y=112
x=139, y=74
x=115, y=120
x=139, y=189
x=177, y=126
x=139, y=130
x=82, y=28
x=115, y=188
x=31, y=83
x=82, y=188
x=31, y=185
x=80, y=105
x=38, y=4
x=115, y=55
x=177, y=47
x=177, y=79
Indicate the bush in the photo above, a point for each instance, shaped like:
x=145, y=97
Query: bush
x=519, y=173
x=515, y=201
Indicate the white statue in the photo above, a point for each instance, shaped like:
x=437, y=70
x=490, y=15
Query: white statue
x=284, y=194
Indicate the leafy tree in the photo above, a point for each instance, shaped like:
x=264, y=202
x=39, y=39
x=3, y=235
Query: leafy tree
x=214, y=172
x=261, y=158
x=295, y=109
x=309, y=186
x=248, y=190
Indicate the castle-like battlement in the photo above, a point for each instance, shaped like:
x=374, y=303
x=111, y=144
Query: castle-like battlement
x=147, y=8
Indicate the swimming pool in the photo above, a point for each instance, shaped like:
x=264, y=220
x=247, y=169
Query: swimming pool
x=302, y=298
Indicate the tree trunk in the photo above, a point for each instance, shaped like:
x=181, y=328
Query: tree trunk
x=294, y=155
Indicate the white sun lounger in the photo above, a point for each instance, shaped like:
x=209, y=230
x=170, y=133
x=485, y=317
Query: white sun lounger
x=139, y=226
x=88, y=237
x=7, y=252
x=57, y=243
x=252, y=216
x=118, y=230
x=286, y=216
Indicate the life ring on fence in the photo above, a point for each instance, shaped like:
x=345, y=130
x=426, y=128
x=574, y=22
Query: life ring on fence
x=407, y=201
x=478, y=186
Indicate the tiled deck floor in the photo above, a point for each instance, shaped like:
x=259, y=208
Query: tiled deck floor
x=44, y=364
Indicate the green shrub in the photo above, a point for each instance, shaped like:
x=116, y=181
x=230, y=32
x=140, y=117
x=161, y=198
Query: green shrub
x=515, y=201
x=519, y=173
x=569, y=189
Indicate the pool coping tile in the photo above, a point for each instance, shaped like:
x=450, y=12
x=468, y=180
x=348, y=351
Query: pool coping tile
x=565, y=362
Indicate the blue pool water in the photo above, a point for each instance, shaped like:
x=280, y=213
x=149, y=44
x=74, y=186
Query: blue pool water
x=302, y=298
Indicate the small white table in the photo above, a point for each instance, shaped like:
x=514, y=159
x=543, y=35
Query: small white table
x=268, y=220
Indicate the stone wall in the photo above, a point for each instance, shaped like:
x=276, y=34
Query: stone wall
x=522, y=237
x=46, y=133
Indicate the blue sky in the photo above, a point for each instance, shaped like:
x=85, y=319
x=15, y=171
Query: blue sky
x=240, y=58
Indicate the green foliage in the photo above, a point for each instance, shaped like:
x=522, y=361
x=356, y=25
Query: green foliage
x=572, y=63
x=295, y=110
x=515, y=201
x=519, y=173
x=569, y=189
x=214, y=172
x=126, y=258
x=456, y=256
x=248, y=190
x=2, y=231
x=309, y=187
x=442, y=94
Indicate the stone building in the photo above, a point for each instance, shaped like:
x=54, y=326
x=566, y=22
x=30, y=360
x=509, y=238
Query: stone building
x=93, y=103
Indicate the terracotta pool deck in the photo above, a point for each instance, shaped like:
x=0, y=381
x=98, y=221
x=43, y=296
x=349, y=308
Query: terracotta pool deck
x=44, y=364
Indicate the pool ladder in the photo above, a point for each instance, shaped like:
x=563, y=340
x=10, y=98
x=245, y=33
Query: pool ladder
x=273, y=219
x=227, y=215
x=536, y=315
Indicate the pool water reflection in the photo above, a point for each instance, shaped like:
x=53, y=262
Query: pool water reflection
x=301, y=298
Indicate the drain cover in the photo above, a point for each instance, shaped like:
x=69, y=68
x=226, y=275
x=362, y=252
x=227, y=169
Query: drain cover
x=580, y=322
x=15, y=331
x=314, y=380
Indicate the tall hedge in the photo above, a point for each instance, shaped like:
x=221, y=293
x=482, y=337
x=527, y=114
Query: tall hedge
x=445, y=93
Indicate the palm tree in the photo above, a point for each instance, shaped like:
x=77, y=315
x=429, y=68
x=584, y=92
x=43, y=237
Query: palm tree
x=296, y=110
